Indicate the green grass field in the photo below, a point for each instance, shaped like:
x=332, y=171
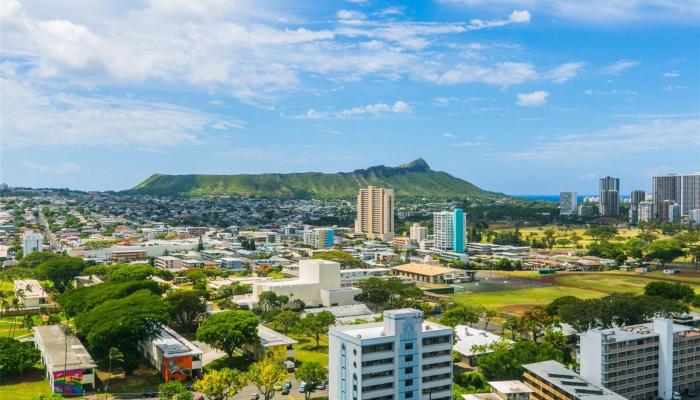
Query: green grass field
x=28, y=386
x=306, y=349
x=610, y=283
x=519, y=300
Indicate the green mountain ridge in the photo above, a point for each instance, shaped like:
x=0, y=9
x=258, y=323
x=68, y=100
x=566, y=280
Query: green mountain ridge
x=414, y=179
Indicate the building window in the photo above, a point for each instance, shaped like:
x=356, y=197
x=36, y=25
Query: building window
x=408, y=346
x=408, y=358
x=408, y=382
x=409, y=370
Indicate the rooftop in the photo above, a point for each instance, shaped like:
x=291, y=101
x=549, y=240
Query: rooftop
x=569, y=381
x=468, y=337
x=507, y=387
x=53, y=341
x=31, y=288
x=269, y=337
x=423, y=269
x=377, y=329
x=633, y=332
x=172, y=344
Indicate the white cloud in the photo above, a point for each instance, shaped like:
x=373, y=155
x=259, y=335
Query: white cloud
x=350, y=15
x=35, y=118
x=533, y=99
x=598, y=11
x=58, y=169
x=449, y=135
x=516, y=17
x=619, y=66
x=653, y=135
x=565, y=72
x=671, y=74
x=503, y=74
x=390, y=11
x=374, y=110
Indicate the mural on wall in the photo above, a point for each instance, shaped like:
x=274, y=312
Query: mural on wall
x=68, y=383
x=177, y=368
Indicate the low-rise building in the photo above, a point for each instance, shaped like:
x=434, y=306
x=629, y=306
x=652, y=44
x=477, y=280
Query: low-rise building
x=503, y=390
x=272, y=344
x=70, y=369
x=351, y=277
x=86, y=280
x=550, y=380
x=32, y=241
x=169, y=263
x=430, y=273
x=174, y=356
x=468, y=338
x=232, y=264
x=30, y=293
x=128, y=255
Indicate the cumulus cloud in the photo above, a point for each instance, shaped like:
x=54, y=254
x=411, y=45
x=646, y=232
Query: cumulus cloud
x=533, y=99
x=619, y=66
x=373, y=110
x=350, y=15
x=671, y=74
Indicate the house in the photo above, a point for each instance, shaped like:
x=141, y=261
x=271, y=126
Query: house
x=86, y=280
x=69, y=367
x=273, y=345
x=30, y=293
x=232, y=263
x=430, y=273
x=469, y=339
x=127, y=255
x=174, y=356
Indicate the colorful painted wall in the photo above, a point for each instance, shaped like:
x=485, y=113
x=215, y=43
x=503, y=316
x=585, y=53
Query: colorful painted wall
x=68, y=383
x=177, y=368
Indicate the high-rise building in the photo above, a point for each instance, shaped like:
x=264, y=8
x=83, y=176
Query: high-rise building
x=568, y=203
x=586, y=210
x=633, y=214
x=418, y=233
x=609, y=197
x=375, y=213
x=684, y=190
x=402, y=357
x=551, y=380
x=645, y=211
x=642, y=361
x=32, y=241
x=674, y=213
x=448, y=230
x=637, y=196
x=319, y=238
x=664, y=210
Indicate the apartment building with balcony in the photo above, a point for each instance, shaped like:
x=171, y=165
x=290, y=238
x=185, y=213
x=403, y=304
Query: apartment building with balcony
x=402, y=357
x=646, y=361
x=551, y=380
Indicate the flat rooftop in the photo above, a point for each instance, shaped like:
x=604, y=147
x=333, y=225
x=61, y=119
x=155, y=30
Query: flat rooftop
x=424, y=269
x=172, y=344
x=508, y=387
x=375, y=330
x=641, y=331
x=570, y=382
x=52, y=340
x=468, y=337
x=270, y=337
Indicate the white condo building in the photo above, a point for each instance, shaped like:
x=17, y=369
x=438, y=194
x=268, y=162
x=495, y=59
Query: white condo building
x=418, y=233
x=32, y=241
x=402, y=357
x=640, y=362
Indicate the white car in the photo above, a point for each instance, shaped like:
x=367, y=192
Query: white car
x=677, y=396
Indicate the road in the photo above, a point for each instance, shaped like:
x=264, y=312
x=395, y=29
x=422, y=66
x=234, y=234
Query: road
x=294, y=394
x=54, y=245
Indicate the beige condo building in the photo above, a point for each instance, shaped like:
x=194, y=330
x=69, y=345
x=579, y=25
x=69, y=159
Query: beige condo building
x=375, y=213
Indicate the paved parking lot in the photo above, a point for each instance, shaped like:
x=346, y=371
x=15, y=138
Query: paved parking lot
x=294, y=394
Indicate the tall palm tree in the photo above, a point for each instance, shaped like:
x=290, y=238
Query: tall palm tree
x=116, y=356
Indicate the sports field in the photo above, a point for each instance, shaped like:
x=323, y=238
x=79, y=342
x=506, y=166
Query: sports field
x=517, y=291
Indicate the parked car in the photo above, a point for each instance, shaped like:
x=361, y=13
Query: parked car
x=321, y=386
x=255, y=396
x=677, y=396
x=302, y=387
x=288, y=385
x=149, y=393
x=285, y=391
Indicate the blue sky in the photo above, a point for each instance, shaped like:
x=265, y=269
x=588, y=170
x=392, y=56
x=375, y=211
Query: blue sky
x=517, y=96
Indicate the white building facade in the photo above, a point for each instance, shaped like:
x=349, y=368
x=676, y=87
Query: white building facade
x=32, y=241
x=402, y=357
x=568, y=203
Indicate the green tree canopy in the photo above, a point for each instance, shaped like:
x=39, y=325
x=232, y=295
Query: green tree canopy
x=387, y=293
x=504, y=360
x=32, y=260
x=124, y=323
x=188, y=307
x=130, y=272
x=460, y=315
x=86, y=298
x=229, y=330
x=220, y=384
x=342, y=257
x=672, y=291
x=313, y=373
x=266, y=375
x=317, y=324
x=60, y=271
x=16, y=357
x=664, y=251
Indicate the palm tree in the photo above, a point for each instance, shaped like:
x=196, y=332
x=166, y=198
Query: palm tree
x=67, y=331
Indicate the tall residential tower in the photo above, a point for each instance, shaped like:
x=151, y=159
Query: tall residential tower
x=449, y=230
x=683, y=190
x=375, y=213
x=609, y=201
x=568, y=203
